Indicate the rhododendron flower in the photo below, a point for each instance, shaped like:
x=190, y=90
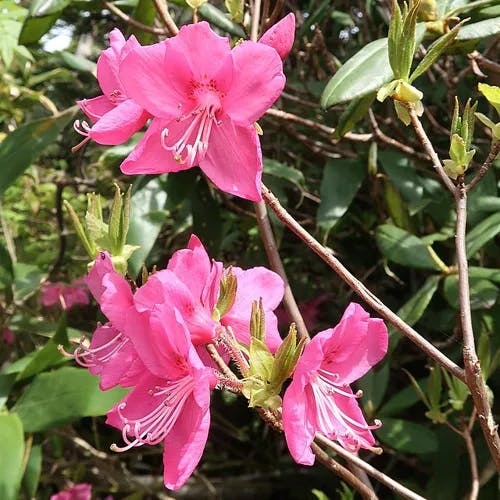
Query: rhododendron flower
x=65, y=296
x=319, y=399
x=170, y=401
x=280, y=36
x=8, y=336
x=116, y=117
x=81, y=491
x=205, y=98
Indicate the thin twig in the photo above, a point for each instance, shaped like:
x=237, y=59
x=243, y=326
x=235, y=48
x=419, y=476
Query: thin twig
x=343, y=473
x=254, y=30
x=162, y=9
x=372, y=300
x=473, y=374
x=466, y=434
x=369, y=469
x=132, y=22
x=217, y=358
x=483, y=170
x=426, y=143
x=60, y=227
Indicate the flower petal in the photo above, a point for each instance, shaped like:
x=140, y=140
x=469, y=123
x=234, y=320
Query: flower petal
x=149, y=156
x=95, y=108
x=233, y=161
x=299, y=431
x=184, y=444
x=147, y=80
x=109, y=63
x=280, y=36
x=258, y=81
x=356, y=344
x=119, y=124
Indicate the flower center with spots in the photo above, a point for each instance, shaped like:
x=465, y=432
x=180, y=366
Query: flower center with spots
x=192, y=146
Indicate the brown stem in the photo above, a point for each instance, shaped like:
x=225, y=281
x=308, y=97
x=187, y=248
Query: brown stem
x=254, y=30
x=372, y=300
x=483, y=170
x=473, y=374
x=162, y=9
x=429, y=149
x=131, y=21
x=343, y=473
x=220, y=362
x=266, y=233
x=474, y=491
x=375, y=473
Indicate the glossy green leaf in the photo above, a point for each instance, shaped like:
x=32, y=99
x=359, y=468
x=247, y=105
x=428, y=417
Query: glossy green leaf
x=35, y=27
x=407, y=436
x=78, y=62
x=33, y=471
x=341, y=180
x=403, y=248
x=374, y=386
x=353, y=114
x=145, y=13
x=482, y=29
x=6, y=269
x=62, y=396
x=485, y=273
x=6, y=382
x=405, y=398
x=362, y=74
x=40, y=8
x=11, y=22
x=144, y=226
x=11, y=457
x=482, y=233
x=283, y=171
x=21, y=147
x=483, y=293
x=219, y=19
x=27, y=279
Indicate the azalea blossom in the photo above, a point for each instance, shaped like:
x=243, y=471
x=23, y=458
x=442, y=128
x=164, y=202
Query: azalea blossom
x=8, y=336
x=280, y=36
x=319, y=398
x=169, y=402
x=115, y=116
x=205, y=98
x=81, y=491
x=63, y=295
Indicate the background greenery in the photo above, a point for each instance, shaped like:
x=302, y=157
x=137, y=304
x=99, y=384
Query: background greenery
x=382, y=211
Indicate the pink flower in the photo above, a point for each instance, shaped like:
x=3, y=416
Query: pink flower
x=205, y=98
x=319, y=398
x=82, y=491
x=170, y=401
x=116, y=117
x=64, y=296
x=8, y=336
x=281, y=36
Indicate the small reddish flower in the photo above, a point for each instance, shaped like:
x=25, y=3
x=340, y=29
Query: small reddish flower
x=319, y=398
x=8, y=336
x=280, y=36
x=170, y=400
x=205, y=98
x=81, y=491
x=116, y=117
x=64, y=296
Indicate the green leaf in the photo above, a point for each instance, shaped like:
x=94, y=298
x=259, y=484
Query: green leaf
x=11, y=19
x=341, y=180
x=485, y=273
x=40, y=8
x=374, y=386
x=35, y=27
x=27, y=280
x=219, y=19
x=483, y=293
x=482, y=233
x=11, y=458
x=403, y=248
x=362, y=74
x=405, y=398
x=6, y=382
x=21, y=147
x=144, y=228
x=353, y=114
x=62, y=396
x=491, y=93
x=407, y=436
x=6, y=269
x=145, y=13
x=33, y=471
x=283, y=171
x=78, y=62
x=434, y=51
x=482, y=29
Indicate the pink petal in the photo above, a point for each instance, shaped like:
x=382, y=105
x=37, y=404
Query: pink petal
x=119, y=124
x=149, y=156
x=109, y=62
x=299, y=431
x=185, y=443
x=205, y=52
x=116, y=299
x=233, y=161
x=81, y=491
x=148, y=81
x=192, y=266
x=95, y=108
x=258, y=81
x=356, y=344
x=101, y=267
x=280, y=36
